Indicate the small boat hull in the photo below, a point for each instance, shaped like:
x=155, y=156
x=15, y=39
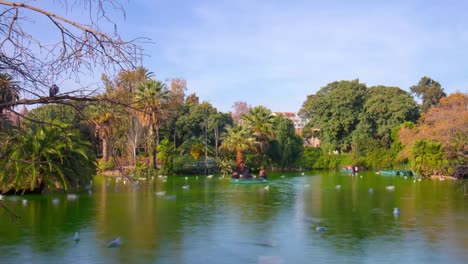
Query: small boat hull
x=396, y=173
x=249, y=181
x=343, y=170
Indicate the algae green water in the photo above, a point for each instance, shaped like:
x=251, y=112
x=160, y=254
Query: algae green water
x=215, y=221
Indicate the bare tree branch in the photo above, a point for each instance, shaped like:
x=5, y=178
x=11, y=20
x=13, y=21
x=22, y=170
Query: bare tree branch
x=77, y=46
x=13, y=216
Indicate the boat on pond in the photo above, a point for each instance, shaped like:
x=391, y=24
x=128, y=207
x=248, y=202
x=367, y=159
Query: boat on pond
x=249, y=181
x=396, y=173
x=344, y=170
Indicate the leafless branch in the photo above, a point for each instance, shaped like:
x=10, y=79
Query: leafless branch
x=13, y=216
x=77, y=46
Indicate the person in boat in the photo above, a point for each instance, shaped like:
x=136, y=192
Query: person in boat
x=241, y=172
x=262, y=174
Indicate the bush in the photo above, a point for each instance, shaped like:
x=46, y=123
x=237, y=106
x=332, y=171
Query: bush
x=310, y=157
x=428, y=158
x=106, y=165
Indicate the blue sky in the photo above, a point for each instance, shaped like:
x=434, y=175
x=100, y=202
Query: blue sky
x=275, y=53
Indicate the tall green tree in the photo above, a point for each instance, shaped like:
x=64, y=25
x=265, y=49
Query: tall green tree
x=290, y=144
x=151, y=99
x=217, y=123
x=384, y=109
x=430, y=92
x=335, y=110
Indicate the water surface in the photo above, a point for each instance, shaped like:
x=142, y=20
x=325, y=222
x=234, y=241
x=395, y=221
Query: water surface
x=215, y=221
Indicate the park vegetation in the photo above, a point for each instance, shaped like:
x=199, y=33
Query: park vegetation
x=385, y=128
x=142, y=126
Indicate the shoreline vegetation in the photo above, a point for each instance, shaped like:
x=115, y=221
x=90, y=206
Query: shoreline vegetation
x=170, y=133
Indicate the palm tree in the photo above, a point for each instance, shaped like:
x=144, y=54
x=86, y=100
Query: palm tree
x=151, y=97
x=54, y=157
x=260, y=121
x=103, y=118
x=123, y=89
x=237, y=138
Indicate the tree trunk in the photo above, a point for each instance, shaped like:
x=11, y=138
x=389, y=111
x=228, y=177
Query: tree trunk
x=239, y=157
x=216, y=135
x=152, y=147
x=105, y=149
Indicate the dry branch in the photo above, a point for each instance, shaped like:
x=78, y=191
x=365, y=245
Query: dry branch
x=75, y=46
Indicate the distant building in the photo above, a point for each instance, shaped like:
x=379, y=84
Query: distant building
x=298, y=125
x=313, y=141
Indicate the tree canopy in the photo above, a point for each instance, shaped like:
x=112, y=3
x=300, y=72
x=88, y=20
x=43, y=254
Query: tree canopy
x=429, y=91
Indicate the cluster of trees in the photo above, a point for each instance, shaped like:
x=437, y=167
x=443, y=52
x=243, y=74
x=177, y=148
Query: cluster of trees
x=384, y=127
x=149, y=126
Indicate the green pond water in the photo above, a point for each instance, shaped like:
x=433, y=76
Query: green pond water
x=216, y=221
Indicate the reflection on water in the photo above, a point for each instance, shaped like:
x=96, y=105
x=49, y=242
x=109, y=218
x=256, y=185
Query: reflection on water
x=322, y=217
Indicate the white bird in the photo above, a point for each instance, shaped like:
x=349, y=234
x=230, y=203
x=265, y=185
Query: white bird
x=396, y=211
x=282, y=176
x=170, y=197
x=115, y=243
x=371, y=190
x=24, y=201
x=209, y=176
x=186, y=178
x=161, y=193
x=72, y=197
x=55, y=201
x=321, y=228
x=390, y=187
x=1, y=197
x=76, y=237
x=338, y=187
x=302, y=173
x=267, y=187
x=186, y=187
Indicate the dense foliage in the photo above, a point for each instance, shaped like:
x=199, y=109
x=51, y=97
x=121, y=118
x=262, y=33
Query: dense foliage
x=386, y=129
x=153, y=127
x=45, y=157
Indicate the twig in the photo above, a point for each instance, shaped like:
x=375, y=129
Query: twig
x=13, y=216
